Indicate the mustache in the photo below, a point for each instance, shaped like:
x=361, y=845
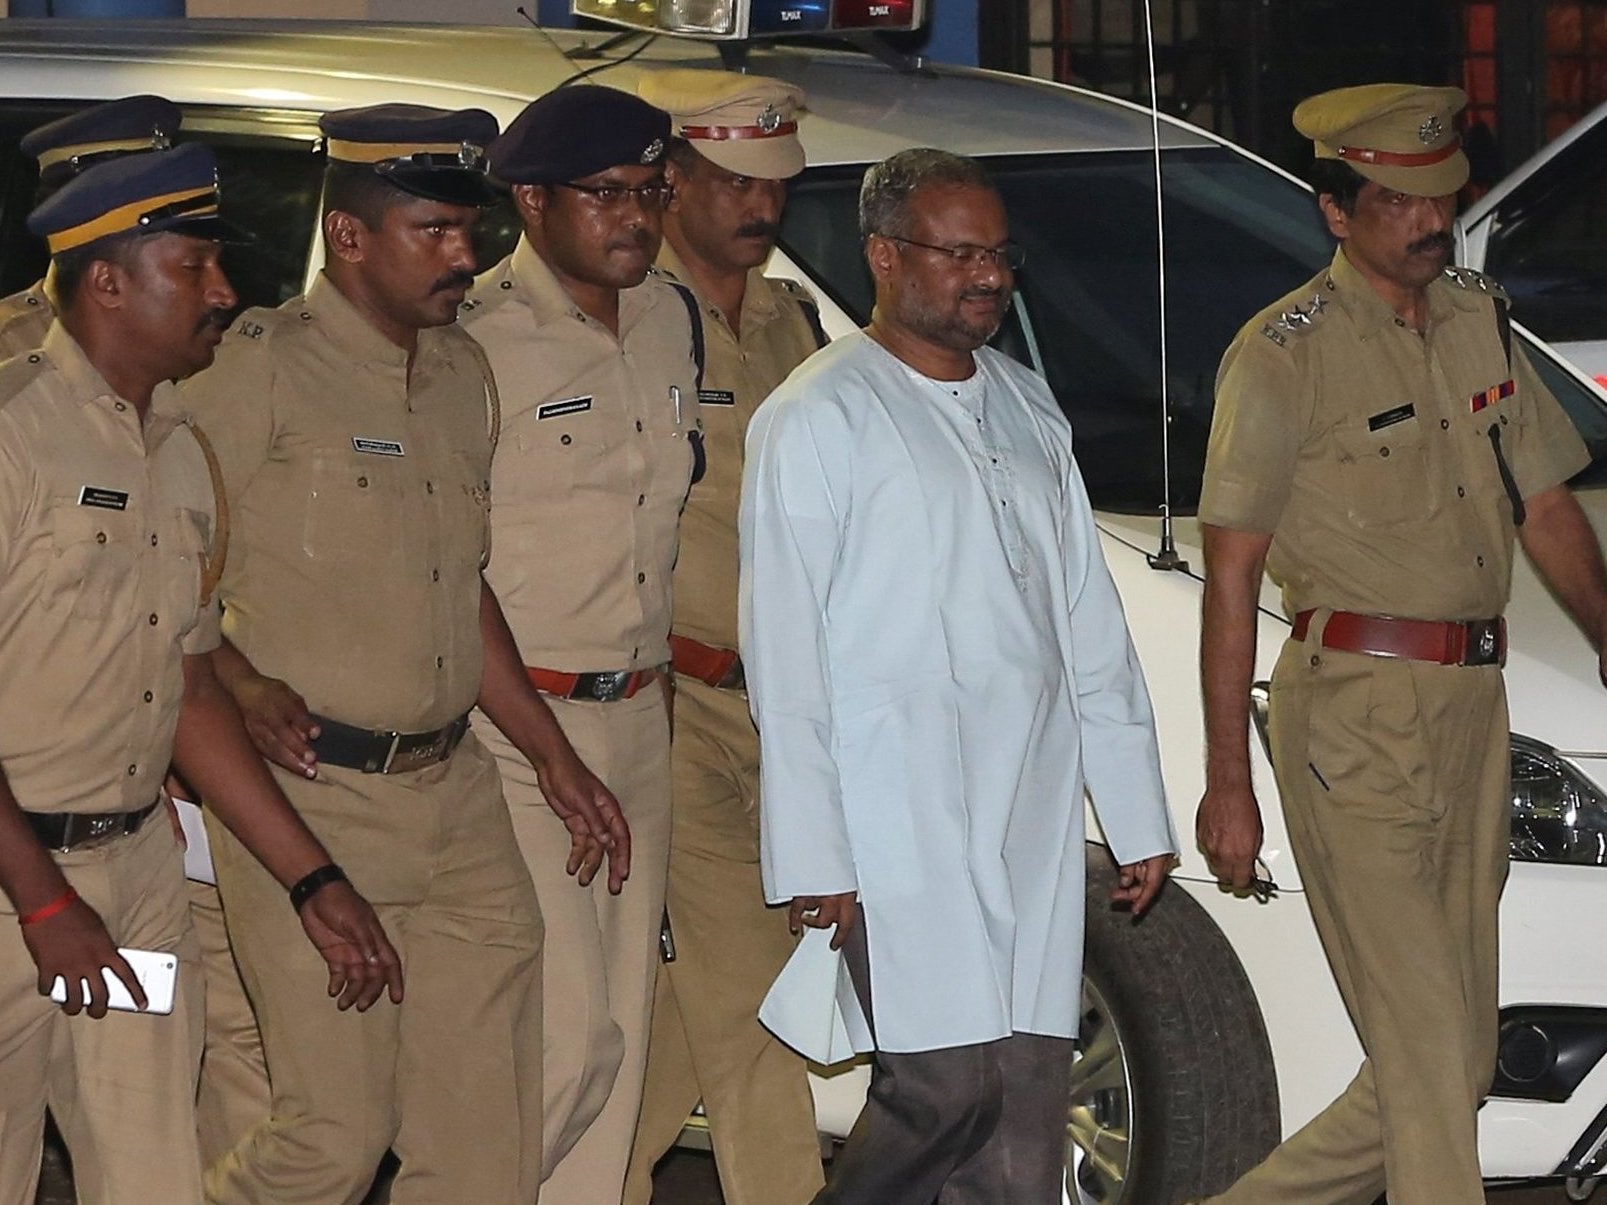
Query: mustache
x=1440, y=240
x=767, y=230
x=458, y=278
x=216, y=318
x=976, y=291
x=637, y=238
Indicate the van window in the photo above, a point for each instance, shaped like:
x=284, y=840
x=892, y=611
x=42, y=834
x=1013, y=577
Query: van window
x=1238, y=237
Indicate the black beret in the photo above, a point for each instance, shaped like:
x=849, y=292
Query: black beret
x=437, y=154
x=69, y=144
x=575, y=132
x=174, y=190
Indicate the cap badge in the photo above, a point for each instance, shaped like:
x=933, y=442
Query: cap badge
x=470, y=155
x=653, y=151
x=160, y=141
x=769, y=119
x=1431, y=131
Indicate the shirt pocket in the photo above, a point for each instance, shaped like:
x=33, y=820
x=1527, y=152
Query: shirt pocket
x=1386, y=476
x=559, y=458
x=95, y=553
x=354, y=506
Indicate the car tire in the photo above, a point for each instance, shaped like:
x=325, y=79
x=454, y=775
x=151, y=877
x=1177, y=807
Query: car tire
x=1175, y=1095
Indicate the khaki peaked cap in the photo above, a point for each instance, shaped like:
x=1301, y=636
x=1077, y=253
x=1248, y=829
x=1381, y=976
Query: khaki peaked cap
x=1402, y=136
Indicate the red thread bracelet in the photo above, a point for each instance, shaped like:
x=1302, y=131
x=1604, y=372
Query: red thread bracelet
x=60, y=904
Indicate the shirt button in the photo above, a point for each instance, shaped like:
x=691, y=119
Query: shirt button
x=153, y=539
x=119, y=406
x=1316, y=660
x=1460, y=492
x=1503, y=420
x=132, y=769
x=507, y=284
x=149, y=696
x=362, y=483
x=1444, y=423
x=1384, y=451
x=152, y=620
x=100, y=537
x=435, y=575
x=641, y=499
x=429, y=487
x=305, y=316
x=1480, y=561
x=640, y=578
x=565, y=440
x=638, y=424
x=439, y=662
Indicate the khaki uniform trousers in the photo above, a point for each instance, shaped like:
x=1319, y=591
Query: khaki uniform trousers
x=233, y=1097
x=601, y=949
x=707, y=1043
x=443, y=1078
x=121, y=1089
x=1395, y=776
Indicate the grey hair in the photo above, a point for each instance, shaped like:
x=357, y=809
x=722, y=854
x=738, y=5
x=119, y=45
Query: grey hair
x=884, y=197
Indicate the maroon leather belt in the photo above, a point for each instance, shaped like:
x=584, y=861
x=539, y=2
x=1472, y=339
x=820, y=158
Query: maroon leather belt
x=1473, y=642
x=602, y=686
x=716, y=666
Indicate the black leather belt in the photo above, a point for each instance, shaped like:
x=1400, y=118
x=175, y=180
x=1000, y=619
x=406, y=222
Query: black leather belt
x=375, y=752
x=65, y=832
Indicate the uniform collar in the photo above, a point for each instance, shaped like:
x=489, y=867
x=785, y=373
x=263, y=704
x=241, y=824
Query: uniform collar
x=1370, y=312
x=347, y=325
x=758, y=299
x=88, y=387
x=549, y=300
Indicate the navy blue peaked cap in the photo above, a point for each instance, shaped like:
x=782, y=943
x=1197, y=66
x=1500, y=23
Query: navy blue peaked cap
x=70, y=144
x=174, y=190
x=437, y=154
x=575, y=132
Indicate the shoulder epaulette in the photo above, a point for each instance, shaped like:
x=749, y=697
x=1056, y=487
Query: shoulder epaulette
x=1475, y=282
x=17, y=373
x=490, y=288
x=261, y=324
x=1297, y=318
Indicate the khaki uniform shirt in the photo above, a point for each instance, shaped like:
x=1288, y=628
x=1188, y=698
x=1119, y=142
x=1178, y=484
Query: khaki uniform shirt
x=105, y=528
x=592, y=467
x=1364, y=447
x=738, y=373
x=24, y=319
x=358, y=494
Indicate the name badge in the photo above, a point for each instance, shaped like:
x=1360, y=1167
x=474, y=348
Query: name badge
x=95, y=495
x=1389, y=418
x=570, y=405
x=716, y=397
x=377, y=447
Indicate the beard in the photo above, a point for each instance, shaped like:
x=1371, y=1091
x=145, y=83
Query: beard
x=948, y=325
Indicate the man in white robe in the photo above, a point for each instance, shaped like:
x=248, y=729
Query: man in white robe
x=938, y=665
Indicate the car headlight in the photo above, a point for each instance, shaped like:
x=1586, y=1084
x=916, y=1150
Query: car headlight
x=1558, y=815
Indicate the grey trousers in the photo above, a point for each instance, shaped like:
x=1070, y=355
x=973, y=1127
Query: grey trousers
x=966, y=1125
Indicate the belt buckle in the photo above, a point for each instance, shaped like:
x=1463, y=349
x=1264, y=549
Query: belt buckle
x=1483, y=643
x=416, y=757
x=610, y=685
x=90, y=832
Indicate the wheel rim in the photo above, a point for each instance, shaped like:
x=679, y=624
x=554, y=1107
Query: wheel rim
x=1099, y=1130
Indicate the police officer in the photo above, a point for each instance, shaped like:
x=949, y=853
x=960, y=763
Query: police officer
x=64, y=148
x=736, y=145
x=113, y=539
x=1378, y=442
x=599, y=381
x=354, y=431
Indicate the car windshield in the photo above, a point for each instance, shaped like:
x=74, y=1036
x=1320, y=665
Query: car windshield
x=1238, y=236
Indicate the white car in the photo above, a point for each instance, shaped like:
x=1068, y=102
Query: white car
x=1212, y=1028
x=1542, y=232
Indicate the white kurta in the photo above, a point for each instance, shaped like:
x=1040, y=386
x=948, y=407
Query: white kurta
x=938, y=663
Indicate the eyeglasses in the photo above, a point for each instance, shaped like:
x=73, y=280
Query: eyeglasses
x=612, y=196
x=969, y=256
x=1261, y=884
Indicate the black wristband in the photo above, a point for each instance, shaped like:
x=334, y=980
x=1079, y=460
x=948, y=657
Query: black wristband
x=313, y=882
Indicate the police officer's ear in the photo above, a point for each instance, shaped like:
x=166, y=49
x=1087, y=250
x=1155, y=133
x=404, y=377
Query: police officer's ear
x=675, y=176
x=1337, y=219
x=344, y=236
x=531, y=200
x=104, y=280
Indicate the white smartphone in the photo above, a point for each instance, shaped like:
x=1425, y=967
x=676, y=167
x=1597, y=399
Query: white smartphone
x=156, y=970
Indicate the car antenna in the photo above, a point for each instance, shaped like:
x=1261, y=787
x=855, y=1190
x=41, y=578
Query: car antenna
x=1166, y=559
x=585, y=50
